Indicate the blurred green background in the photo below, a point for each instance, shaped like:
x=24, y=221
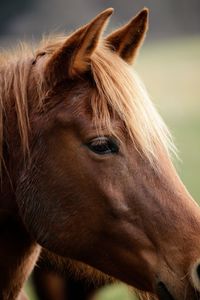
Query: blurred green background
x=169, y=65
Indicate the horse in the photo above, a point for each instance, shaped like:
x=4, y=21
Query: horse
x=86, y=168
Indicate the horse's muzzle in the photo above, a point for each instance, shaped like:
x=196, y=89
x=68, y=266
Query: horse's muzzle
x=164, y=294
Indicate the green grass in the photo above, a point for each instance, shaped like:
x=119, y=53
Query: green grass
x=171, y=72
x=115, y=292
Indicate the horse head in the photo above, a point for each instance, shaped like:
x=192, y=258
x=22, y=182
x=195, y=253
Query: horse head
x=98, y=186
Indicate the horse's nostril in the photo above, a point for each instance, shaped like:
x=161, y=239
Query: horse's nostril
x=198, y=271
x=162, y=292
x=195, y=276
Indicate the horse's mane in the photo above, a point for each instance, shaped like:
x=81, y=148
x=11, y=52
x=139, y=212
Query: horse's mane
x=14, y=75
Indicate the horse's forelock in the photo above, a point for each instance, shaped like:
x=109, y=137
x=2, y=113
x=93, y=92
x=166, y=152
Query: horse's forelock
x=120, y=88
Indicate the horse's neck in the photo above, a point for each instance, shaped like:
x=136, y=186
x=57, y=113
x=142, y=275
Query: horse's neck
x=18, y=253
x=16, y=263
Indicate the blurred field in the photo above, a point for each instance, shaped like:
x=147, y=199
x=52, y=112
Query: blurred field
x=171, y=72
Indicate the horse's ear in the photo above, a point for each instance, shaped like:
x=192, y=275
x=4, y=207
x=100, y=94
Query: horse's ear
x=73, y=57
x=127, y=40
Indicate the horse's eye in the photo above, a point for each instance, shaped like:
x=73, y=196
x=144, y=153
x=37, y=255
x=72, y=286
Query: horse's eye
x=103, y=145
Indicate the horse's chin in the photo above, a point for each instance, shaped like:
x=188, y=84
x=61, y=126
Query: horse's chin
x=84, y=271
x=78, y=269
